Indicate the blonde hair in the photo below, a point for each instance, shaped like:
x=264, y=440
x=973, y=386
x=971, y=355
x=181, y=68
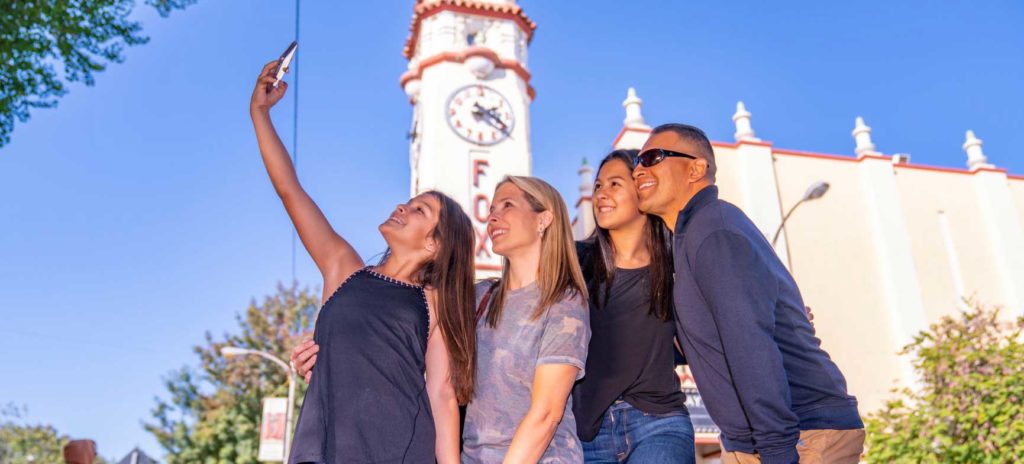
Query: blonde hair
x=559, y=275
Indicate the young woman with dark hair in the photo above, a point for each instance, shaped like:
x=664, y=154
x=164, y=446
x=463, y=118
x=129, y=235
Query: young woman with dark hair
x=629, y=407
x=395, y=341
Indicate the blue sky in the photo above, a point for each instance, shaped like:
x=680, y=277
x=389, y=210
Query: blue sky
x=137, y=215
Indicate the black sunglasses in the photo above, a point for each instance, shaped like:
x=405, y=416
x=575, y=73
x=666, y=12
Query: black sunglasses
x=656, y=155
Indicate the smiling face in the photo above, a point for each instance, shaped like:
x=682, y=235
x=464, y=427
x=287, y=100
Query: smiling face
x=514, y=225
x=665, y=188
x=615, y=198
x=410, y=228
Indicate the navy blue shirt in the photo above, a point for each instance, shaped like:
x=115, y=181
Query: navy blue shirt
x=742, y=324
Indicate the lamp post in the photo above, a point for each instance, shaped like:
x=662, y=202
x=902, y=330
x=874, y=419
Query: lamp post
x=230, y=351
x=814, y=192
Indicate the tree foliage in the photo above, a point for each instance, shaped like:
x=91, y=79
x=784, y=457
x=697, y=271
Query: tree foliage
x=968, y=406
x=212, y=411
x=22, y=443
x=46, y=44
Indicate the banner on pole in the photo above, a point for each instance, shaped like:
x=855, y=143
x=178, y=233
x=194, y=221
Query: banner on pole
x=272, y=429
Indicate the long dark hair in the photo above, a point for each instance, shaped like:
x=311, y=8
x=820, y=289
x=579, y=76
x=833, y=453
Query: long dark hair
x=599, y=256
x=450, y=273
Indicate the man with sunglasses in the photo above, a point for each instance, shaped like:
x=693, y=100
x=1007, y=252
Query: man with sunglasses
x=774, y=393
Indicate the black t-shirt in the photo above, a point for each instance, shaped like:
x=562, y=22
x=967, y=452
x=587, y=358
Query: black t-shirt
x=630, y=355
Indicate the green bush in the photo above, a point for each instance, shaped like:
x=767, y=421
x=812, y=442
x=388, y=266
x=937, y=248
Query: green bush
x=967, y=407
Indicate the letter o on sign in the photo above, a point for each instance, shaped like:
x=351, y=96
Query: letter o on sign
x=481, y=207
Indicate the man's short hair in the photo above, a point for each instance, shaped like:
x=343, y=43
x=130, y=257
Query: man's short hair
x=697, y=136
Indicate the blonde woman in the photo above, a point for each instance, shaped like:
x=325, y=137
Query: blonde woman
x=532, y=333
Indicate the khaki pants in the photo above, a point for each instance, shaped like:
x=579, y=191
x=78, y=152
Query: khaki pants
x=815, y=447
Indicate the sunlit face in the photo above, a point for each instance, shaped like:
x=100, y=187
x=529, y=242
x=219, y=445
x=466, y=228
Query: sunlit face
x=662, y=187
x=615, y=198
x=411, y=225
x=513, y=225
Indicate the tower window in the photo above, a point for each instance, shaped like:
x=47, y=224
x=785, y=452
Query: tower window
x=471, y=39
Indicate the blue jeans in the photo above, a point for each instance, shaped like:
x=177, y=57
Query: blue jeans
x=629, y=435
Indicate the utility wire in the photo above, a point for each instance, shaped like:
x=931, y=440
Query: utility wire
x=295, y=123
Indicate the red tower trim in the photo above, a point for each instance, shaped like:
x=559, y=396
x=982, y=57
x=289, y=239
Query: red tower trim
x=426, y=8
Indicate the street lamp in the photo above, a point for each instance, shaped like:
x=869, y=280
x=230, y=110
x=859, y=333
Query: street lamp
x=814, y=192
x=230, y=351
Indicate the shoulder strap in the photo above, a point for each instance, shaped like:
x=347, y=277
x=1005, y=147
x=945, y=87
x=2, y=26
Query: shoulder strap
x=483, y=301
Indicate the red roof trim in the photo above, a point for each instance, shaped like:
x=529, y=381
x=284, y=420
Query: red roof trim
x=495, y=10
x=459, y=57
x=809, y=154
x=762, y=143
x=625, y=129
x=949, y=170
x=920, y=167
x=832, y=157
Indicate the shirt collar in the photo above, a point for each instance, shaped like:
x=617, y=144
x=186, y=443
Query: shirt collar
x=705, y=196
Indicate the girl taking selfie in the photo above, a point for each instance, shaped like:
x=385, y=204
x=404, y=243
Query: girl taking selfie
x=395, y=341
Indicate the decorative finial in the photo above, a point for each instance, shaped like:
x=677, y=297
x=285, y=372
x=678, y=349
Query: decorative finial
x=862, y=135
x=632, y=106
x=742, y=119
x=586, y=179
x=976, y=159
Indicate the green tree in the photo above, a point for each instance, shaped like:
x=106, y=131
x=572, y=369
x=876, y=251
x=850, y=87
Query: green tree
x=212, y=413
x=967, y=408
x=22, y=443
x=77, y=36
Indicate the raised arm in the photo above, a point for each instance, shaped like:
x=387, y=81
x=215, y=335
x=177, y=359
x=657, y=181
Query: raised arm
x=443, y=402
x=335, y=258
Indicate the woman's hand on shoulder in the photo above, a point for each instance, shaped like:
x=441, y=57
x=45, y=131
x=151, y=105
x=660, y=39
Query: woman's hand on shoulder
x=304, y=357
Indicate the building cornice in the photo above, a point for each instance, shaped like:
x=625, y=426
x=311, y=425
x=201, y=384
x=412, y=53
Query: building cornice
x=461, y=56
x=625, y=129
x=834, y=157
x=919, y=167
x=427, y=8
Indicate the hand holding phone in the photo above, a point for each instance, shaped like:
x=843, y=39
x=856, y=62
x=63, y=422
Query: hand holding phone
x=284, y=61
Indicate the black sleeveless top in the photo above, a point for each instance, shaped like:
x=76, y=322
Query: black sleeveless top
x=367, y=400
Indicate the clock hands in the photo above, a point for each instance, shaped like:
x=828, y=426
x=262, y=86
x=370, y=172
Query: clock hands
x=489, y=113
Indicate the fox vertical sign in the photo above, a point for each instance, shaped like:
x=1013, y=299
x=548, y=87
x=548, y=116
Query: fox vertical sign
x=272, y=428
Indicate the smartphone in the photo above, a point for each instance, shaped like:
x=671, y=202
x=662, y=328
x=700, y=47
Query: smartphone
x=284, y=61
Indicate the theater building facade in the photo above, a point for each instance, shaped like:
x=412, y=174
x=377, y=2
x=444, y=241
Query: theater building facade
x=889, y=248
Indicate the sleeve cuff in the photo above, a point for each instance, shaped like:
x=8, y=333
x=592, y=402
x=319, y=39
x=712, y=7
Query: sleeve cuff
x=786, y=456
x=564, y=360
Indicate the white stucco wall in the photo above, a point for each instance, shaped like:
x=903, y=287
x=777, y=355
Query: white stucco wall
x=1017, y=195
x=835, y=265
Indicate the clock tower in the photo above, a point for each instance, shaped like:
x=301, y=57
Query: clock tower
x=470, y=91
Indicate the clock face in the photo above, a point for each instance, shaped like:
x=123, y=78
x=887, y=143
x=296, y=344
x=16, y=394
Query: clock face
x=479, y=114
